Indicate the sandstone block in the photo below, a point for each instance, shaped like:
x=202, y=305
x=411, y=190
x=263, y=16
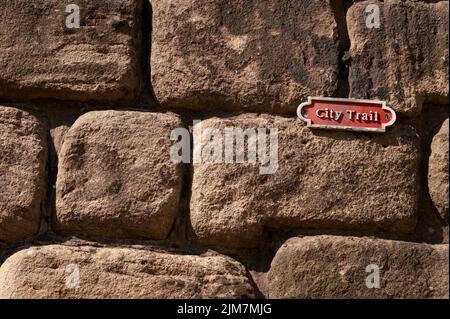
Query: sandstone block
x=41, y=57
x=325, y=180
x=87, y=272
x=115, y=176
x=23, y=157
x=344, y=267
x=438, y=171
x=405, y=60
x=243, y=55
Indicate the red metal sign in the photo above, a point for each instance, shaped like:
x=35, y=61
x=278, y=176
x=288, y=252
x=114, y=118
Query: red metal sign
x=346, y=114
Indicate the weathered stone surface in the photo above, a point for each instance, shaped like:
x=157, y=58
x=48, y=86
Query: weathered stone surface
x=23, y=156
x=40, y=57
x=335, y=180
x=438, y=171
x=405, y=61
x=115, y=176
x=241, y=54
x=52, y=271
x=335, y=267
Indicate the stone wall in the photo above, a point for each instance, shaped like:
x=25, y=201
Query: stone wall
x=92, y=204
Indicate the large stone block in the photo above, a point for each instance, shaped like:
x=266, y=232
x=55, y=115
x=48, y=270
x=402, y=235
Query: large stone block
x=351, y=267
x=23, y=157
x=116, y=178
x=87, y=272
x=325, y=180
x=243, y=55
x=40, y=57
x=405, y=60
x=438, y=171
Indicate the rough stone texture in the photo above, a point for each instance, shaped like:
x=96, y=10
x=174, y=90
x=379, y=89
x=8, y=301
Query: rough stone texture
x=115, y=176
x=335, y=267
x=108, y=176
x=405, y=61
x=23, y=156
x=40, y=57
x=438, y=170
x=43, y=272
x=241, y=54
x=325, y=179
